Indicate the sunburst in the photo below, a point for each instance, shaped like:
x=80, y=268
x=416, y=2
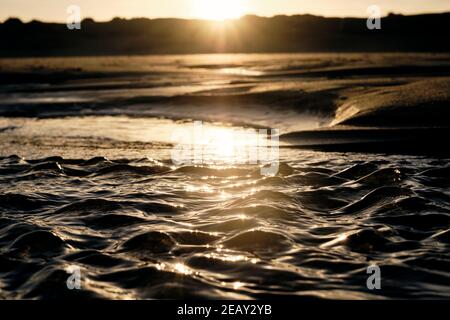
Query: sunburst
x=218, y=9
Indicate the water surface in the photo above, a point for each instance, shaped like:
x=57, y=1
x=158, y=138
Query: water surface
x=87, y=180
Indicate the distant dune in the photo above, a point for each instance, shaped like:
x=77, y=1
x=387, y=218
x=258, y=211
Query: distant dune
x=250, y=34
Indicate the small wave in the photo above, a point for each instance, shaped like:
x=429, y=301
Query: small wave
x=442, y=236
x=206, y=171
x=88, y=206
x=231, y=225
x=96, y=258
x=194, y=237
x=129, y=169
x=381, y=177
x=421, y=221
x=14, y=201
x=149, y=243
x=139, y=228
x=374, y=198
x=358, y=170
x=364, y=240
x=111, y=221
x=258, y=240
x=38, y=244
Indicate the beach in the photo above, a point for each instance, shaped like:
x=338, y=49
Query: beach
x=87, y=176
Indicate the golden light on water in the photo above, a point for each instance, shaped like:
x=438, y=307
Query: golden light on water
x=218, y=9
x=223, y=142
x=237, y=285
x=182, y=269
x=220, y=145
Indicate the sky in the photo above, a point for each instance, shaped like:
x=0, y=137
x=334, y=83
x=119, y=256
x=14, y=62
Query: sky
x=103, y=10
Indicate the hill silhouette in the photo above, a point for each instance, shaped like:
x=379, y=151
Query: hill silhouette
x=250, y=34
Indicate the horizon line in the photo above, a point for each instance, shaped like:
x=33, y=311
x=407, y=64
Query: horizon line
x=233, y=19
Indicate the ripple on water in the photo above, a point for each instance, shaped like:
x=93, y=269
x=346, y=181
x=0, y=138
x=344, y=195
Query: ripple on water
x=152, y=242
x=38, y=244
x=15, y=201
x=139, y=228
x=259, y=240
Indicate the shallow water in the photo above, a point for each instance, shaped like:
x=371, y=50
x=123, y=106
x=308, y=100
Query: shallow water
x=145, y=229
x=102, y=194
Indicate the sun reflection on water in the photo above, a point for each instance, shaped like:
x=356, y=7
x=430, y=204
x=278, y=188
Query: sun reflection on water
x=182, y=269
x=218, y=145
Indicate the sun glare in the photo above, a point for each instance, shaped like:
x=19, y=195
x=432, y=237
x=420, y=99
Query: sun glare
x=218, y=9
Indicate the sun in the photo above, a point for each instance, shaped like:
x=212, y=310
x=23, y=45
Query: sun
x=218, y=9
